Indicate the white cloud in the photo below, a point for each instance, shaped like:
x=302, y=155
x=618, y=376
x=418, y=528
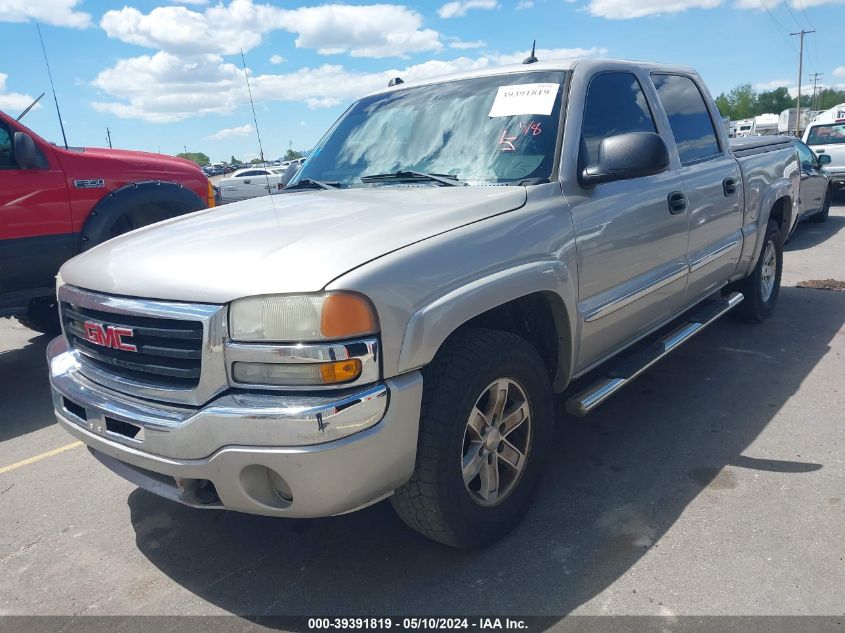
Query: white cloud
x=771, y=85
x=378, y=30
x=462, y=45
x=277, y=59
x=524, y=4
x=13, y=102
x=166, y=88
x=55, y=12
x=795, y=4
x=626, y=9
x=459, y=8
x=839, y=71
x=231, y=132
x=545, y=54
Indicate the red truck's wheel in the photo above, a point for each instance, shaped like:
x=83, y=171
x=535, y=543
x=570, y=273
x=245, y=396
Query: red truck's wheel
x=485, y=433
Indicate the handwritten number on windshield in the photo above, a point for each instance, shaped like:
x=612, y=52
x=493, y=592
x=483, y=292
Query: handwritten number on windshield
x=532, y=128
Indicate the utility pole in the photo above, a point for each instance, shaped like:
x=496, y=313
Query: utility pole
x=815, y=78
x=108, y=135
x=802, y=33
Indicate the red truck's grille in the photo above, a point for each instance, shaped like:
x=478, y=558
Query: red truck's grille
x=167, y=352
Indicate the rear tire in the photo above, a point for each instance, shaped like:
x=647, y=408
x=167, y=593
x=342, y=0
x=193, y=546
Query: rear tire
x=485, y=431
x=822, y=215
x=762, y=287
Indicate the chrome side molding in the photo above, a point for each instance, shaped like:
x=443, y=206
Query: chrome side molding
x=634, y=365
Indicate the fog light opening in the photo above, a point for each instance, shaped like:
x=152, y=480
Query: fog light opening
x=265, y=486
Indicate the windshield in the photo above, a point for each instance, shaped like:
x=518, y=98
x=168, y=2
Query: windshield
x=826, y=134
x=500, y=129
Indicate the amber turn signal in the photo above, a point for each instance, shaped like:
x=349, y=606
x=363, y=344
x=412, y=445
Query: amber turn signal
x=345, y=315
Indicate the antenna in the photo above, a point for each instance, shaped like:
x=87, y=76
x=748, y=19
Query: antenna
x=50, y=75
x=108, y=135
x=531, y=59
x=255, y=119
x=29, y=107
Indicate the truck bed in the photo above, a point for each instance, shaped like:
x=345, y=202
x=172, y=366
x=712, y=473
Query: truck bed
x=751, y=145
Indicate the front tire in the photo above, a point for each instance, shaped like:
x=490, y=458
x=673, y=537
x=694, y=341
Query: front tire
x=42, y=315
x=762, y=287
x=485, y=430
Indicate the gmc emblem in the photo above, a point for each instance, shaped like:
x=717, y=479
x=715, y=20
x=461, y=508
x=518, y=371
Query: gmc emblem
x=109, y=336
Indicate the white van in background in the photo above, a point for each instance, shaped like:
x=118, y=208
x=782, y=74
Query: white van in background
x=826, y=135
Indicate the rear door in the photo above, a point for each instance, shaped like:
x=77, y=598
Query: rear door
x=632, y=248
x=36, y=231
x=712, y=183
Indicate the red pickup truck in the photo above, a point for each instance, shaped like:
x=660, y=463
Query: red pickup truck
x=57, y=202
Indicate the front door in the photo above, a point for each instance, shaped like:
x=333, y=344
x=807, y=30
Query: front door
x=813, y=184
x=36, y=232
x=632, y=247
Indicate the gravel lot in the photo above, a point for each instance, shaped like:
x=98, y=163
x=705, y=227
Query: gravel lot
x=714, y=485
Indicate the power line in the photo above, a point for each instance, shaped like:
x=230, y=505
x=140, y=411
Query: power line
x=778, y=25
x=788, y=8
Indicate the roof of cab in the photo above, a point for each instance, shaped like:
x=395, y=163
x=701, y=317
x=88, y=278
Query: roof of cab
x=564, y=64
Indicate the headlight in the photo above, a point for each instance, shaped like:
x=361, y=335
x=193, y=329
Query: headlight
x=301, y=318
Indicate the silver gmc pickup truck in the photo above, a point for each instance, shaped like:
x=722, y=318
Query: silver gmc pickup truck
x=396, y=322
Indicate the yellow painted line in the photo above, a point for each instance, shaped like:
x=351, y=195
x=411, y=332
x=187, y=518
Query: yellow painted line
x=38, y=458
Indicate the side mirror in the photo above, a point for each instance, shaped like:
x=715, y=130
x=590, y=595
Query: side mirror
x=624, y=156
x=290, y=172
x=26, y=154
x=824, y=159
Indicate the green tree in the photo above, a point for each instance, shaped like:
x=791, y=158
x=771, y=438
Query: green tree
x=198, y=157
x=255, y=161
x=775, y=101
x=234, y=161
x=829, y=97
x=743, y=100
x=724, y=105
x=292, y=154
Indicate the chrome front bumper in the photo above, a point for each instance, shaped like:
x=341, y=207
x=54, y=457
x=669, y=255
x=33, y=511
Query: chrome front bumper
x=333, y=453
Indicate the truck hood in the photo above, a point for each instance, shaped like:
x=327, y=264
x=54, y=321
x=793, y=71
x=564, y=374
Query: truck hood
x=293, y=242
x=161, y=165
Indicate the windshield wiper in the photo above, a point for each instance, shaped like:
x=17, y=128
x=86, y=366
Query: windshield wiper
x=310, y=183
x=407, y=174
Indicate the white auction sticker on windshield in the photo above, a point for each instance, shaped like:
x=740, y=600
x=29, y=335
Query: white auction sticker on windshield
x=524, y=99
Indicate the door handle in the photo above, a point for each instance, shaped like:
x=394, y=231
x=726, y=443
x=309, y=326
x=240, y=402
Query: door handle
x=246, y=182
x=677, y=202
x=729, y=186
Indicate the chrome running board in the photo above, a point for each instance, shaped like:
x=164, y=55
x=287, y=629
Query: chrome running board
x=634, y=363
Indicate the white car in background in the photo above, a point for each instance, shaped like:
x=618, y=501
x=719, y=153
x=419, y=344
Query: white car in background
x=251, y=182
x=826, y=136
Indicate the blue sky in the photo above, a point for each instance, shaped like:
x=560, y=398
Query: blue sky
x=166, y=75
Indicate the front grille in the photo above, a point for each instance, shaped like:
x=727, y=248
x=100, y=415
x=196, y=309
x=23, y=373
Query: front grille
x=169, y=351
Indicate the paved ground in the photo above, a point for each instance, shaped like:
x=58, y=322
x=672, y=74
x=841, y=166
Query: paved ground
x=714, y=485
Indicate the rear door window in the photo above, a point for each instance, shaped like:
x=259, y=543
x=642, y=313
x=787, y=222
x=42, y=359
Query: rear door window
x=695, y=135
